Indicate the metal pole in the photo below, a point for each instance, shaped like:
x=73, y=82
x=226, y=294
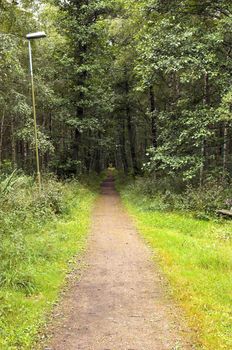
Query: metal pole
x=34, y=115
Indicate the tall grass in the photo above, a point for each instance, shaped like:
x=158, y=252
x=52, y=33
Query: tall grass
x=196, y=256
x=40, y=236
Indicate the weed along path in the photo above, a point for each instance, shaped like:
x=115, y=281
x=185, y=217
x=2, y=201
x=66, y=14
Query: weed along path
x=119, y=303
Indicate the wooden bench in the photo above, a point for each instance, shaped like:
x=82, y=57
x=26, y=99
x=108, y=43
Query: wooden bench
x=224, y=212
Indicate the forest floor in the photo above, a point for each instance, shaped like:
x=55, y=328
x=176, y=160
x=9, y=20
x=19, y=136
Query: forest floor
x=120, y=301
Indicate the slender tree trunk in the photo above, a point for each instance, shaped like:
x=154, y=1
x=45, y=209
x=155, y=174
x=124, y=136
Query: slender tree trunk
x=177, y=86
x=13, y=145
x=25, y=154
x=1, y=135
x=92, y=161
x=97, y=159
x=50, y=123
x=81, y=50
x=131, y=140
x=153, y=117
x=76, y=144
x=206, y=101
x=202, y=165
x=130, y=128
x=206, y=89
x=225, y=150
x=118, y=153
x=124, y=148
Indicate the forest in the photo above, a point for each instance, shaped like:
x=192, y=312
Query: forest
x=143, y=85
x=140, y=87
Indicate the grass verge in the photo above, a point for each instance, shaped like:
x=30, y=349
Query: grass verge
x=50, y=252
x=196, y=256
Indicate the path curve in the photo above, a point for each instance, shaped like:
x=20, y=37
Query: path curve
x=119, y=302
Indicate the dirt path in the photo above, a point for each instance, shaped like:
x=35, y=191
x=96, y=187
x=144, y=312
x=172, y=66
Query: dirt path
x=119, y=303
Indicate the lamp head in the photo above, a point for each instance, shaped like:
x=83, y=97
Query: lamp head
x=36, y=35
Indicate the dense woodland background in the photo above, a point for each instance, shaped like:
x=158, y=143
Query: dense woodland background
x=143, y=85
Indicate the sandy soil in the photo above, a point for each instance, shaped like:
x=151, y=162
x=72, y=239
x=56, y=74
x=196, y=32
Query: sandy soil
x=119, y=303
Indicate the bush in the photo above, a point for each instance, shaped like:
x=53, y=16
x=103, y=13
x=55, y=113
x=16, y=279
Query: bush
x=172, y=194
x=23, y=210
x=206, y=199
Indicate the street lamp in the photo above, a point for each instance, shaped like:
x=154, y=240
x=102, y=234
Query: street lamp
x=32, y=36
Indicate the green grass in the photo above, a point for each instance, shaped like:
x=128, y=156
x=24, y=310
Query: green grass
x=51, y=252
x=196, y=256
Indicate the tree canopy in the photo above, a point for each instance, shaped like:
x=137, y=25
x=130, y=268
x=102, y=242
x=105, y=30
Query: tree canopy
x=144, y=85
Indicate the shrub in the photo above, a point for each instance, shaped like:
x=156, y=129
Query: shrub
x=172, y=194
x=206, y=199
x=23, y=210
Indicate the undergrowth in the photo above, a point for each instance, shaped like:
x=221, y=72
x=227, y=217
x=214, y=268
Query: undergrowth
x=195, y=254
x=40, y=236
x=173, y=195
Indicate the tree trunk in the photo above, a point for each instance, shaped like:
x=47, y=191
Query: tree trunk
x=1, y=135
x=206, y=101
x=13, y=145
x=76, y=144
x=80, y=52
x=225, y=146
x=118, y=153
x=130, y=128
x=25, y=154
x=153, y=117
x=124, y=148
x=202, y=165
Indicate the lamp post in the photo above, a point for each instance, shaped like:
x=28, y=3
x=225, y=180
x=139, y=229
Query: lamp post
x=33, y=36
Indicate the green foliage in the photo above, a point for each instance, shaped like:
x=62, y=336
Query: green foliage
x=194, y=254
x=171, y=194
x=40, y=237
x=182, y=52
x=207, y=199
x=121, y=78
x=23, y=210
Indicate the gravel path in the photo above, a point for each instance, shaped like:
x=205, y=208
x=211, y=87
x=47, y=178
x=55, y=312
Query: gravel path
x=120, y=302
